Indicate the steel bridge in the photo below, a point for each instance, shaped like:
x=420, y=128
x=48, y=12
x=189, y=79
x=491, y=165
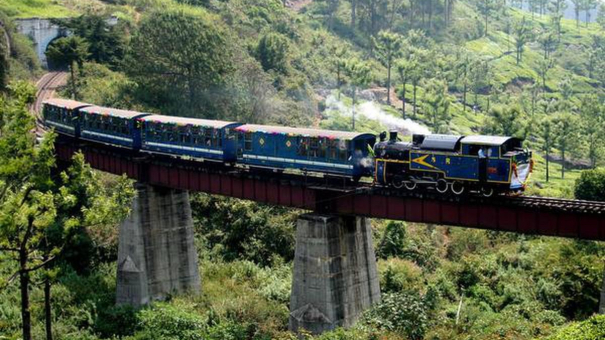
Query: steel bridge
x=527, y=215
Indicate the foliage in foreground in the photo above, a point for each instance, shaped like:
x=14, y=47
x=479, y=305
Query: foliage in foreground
x=591, y=329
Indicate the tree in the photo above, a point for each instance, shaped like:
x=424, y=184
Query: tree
x=479, y=77
x=593, y=125
x=486, y=7
x=566, y=88
x=544, y=65
x=181, y=61
x=505, y=121
x=359, y=74
x=577, y=7
x=353, y=13
x=591, y=185
x=388, y=48
x=557, y=10
x=546, y=132
x=4, y=59
x=595, y=60
x=436, y=105
x=332, y=7
x=338, y=63
x=69, y=51
x=548, y=42
x=522, y=32
x=462, y=73
x=272, y=52
x=589, y=6
x=41, y=206
x=566, y=135
x=106, y=43
x=601, y=16
x=404, y=68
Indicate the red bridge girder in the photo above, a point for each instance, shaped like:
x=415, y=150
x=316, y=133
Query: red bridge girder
x=492, y=215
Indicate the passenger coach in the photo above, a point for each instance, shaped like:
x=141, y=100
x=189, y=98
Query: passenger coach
x=333, y=152
x=63, y=115
x=189, y=137
x=111, y=126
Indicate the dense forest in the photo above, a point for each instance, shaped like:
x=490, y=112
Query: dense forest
x=517, y=68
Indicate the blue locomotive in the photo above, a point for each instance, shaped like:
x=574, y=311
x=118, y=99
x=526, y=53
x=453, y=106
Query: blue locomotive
x=445, y=163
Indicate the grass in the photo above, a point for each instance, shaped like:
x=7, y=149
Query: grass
x=48, y=8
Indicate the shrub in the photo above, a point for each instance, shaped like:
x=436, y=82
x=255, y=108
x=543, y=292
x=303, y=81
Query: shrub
x=401, y=313
x=591, y=185
x=591, y=329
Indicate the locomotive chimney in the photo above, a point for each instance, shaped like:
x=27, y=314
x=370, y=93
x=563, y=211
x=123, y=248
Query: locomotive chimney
x=392, y=136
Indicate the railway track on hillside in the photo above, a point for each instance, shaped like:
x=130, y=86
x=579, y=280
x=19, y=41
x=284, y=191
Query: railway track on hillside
x=46, y=88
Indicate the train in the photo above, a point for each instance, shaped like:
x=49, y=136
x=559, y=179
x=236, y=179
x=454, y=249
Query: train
x=447, y=164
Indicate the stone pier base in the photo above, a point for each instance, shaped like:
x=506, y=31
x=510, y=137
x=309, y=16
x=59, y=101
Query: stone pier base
x=156, y=252
x=335, y=277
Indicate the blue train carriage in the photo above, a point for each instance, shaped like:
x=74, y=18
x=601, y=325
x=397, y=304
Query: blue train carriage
x=189, y=138
x=490, y=164
x=111, y=126
x=63, y=116
x=344, y=154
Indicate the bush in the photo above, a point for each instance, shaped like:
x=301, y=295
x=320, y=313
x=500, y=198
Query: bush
x=591, y=329
x=402, y=313
x=591, y=185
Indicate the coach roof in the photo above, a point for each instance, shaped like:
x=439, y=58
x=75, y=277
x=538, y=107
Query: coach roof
x=183, y=121
x=65, y=103
x=107, y=111
x=302, y=132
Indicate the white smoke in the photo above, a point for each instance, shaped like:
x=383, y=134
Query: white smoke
x=372, y=111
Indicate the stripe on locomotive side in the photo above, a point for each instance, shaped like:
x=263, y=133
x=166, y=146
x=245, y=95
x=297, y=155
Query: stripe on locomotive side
x=298, y=161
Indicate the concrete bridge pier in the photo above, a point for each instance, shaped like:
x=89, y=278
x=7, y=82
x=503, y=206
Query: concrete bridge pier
x=156, y=252
x=335, y=277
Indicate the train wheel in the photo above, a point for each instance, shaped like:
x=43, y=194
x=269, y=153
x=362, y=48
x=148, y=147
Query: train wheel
x=397, y=182
x=487, y=191
x=441, y=186
x=457, y=188
x=410, y=185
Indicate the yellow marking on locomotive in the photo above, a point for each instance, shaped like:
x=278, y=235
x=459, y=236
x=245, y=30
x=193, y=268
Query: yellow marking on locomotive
x=448, y=161
x=422, y=161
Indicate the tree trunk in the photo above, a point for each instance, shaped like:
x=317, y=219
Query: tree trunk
x=47, y=310
x=415, y=101
x=353, y=13
x=403, y=101
x=464, y=97
x=486, y=20
x=389, y=83
x=547, y=163
x=577, y=11
x=338, y=80
x=562, y=163
x=354, y=103
x=24, y=280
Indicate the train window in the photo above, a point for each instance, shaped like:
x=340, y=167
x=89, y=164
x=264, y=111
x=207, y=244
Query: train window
x=333, y=149
x=303, y=146
x=343, y=150
x=248, y=141
x=313, y=147
x=207, y=137
x=216, y=138
x=184, y=138
x=323, y=147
